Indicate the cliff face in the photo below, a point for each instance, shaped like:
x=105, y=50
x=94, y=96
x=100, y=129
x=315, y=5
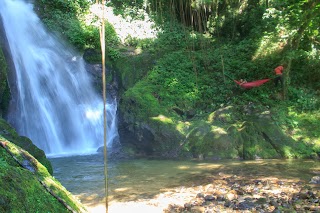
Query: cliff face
x=5, y=93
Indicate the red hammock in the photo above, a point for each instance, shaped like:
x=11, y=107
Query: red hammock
x=249, y=85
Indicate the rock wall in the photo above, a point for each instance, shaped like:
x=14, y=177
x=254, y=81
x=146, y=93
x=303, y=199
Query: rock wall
x=5, y=93
x=223, y=134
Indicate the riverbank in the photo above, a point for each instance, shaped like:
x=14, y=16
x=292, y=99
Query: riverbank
x=229, y=193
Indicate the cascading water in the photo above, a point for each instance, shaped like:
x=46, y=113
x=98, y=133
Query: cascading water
x=55, y=105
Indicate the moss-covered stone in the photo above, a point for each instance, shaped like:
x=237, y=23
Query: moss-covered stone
x=10, y=133
x=223, y=134
x=25, y=188
x=253, y=143
x=132, y=67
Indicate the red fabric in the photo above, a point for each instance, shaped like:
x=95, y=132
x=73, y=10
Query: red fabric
x=278, y=70
x=252, y=84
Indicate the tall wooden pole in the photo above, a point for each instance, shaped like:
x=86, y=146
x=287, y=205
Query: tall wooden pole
x=103, y=54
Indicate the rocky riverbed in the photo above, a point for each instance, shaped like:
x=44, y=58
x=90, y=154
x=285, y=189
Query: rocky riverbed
x=230, y=193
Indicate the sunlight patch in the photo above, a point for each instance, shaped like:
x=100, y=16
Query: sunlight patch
x=121, y=189
x=218, y=130
x=125, y=27
x=183, y=167
x=163, y=119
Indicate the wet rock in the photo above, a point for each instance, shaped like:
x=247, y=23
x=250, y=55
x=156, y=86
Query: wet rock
x=274, y=203
x=315, y=180
x=227, y=203
x=261, y=201
x=276, y=211
x=209, y=197
x=315, y=201
x=303, y=195
x=220, y=198
x=187, y=205
x=240, y=192
x=245, y=205
x=26, y=164
x=200, y=195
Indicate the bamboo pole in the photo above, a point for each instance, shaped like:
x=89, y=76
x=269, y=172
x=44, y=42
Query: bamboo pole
x=103, y=53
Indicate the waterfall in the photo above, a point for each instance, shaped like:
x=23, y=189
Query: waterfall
x=56, y=105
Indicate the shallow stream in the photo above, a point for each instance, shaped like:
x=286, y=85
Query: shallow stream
x=143, y=180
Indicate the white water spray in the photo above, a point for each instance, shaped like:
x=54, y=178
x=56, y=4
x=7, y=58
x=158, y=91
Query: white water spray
x=56, y=105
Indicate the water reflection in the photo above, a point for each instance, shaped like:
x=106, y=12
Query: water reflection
x=133, y=180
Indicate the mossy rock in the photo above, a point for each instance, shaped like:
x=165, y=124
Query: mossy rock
x=30, y=188
x=92, y=56
x=262, y=138
x=257, y=137
x=223, y=115
x=211, y=142
x=10, y=134
x=254, y=144
x=39, y=154
x=134, y=67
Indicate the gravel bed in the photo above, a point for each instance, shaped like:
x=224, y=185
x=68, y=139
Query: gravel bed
x=236, y=194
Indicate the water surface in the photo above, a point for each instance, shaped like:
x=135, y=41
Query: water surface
x=143, y=179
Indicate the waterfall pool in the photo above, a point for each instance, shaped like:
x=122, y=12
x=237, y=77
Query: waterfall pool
x=143, y=185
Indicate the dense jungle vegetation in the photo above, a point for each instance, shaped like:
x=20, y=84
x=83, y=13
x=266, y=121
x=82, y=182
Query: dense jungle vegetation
x=187, y=72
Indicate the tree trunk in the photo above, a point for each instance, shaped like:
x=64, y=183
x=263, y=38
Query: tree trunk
x=295, y=41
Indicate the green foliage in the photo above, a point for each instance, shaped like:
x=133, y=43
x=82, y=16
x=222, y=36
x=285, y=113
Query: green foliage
x=3, y=164
x=71, y=7
x=304, y=100
x=142, y=102
x=173, y=37
x=144, y=44
x=176, y=83
x=302, y=126
x=63, y=17
x=112, y=41
x=67, y=18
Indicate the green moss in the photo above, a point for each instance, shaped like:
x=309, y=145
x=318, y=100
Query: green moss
x=211, y=141
x=9, y=133
x=133, y=67
x=140, y=103
x=21, y=190
x=4, y=87
x=254, y=143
